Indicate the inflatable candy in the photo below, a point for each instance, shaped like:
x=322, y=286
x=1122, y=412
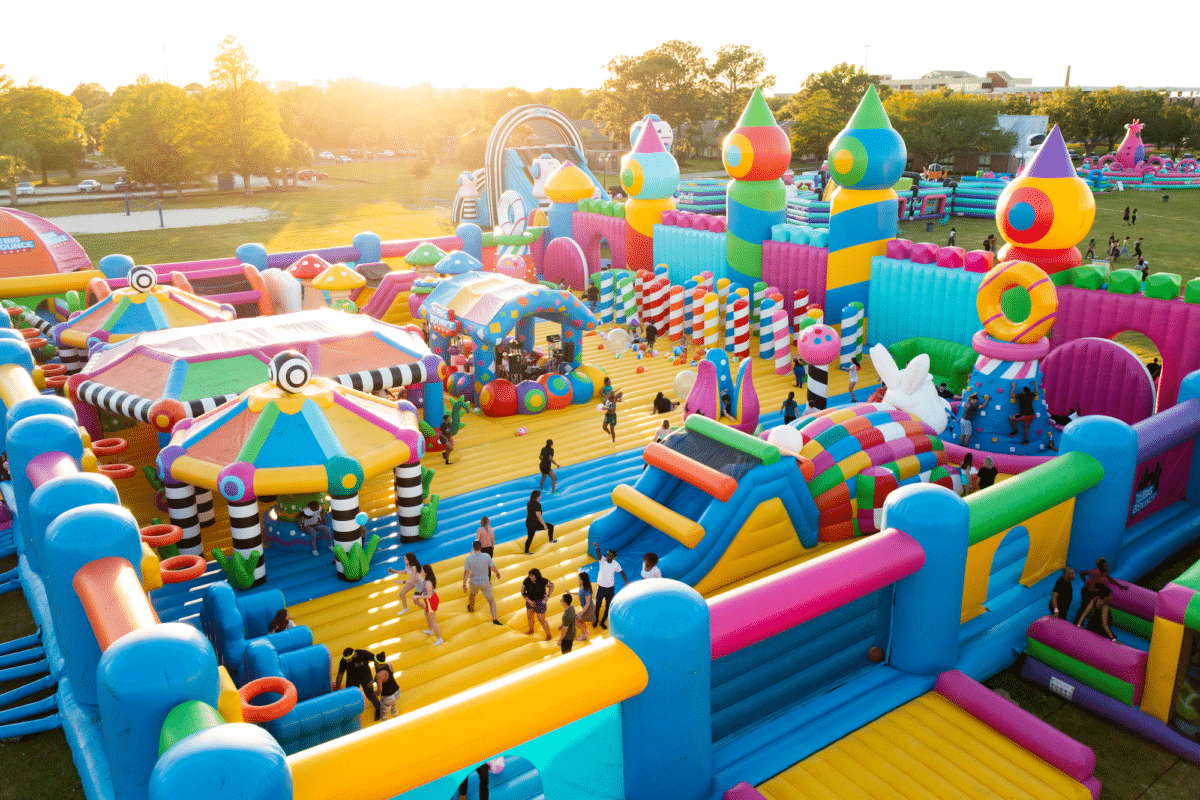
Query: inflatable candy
x=498, y=398
x=531, y=398
x=559, y=392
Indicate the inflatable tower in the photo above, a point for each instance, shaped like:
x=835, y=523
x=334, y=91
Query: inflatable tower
x=755, y=154
x=650, y=176
x=865, y=161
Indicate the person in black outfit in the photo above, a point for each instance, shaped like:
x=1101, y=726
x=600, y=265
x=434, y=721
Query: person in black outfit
x=944, y=392
x=593, y=296
x=1137, y=248
x=987, y=473
x=1096, y=616
x=545, y=462
x=482, y=772
x=1060, y=597
x=662, y=405
x=1024, y=413
x=1154, y=368
x=534, y=521
x=356, y=667
x=651, y=336
x=1094, y=580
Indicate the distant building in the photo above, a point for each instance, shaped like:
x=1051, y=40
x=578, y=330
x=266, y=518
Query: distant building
x=1031, y=130
x=955, y=81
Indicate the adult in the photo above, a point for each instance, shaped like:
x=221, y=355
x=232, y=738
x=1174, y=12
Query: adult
x=386, y=687
x=593, y=296
x=1060, y=595
x=966, y=417
x=662, y=405
x=663, y=431
x=429, y=601
x=798, y=372
x=311, y=520
x=1093, y=580
x=534, y=521
x=1154, y=368
x=1097, y=616
x=609, y=425
x=1125, y=247
x=566, y=636
x=486, y=536
x=1133, y=219
x=988, y=473
x=1091, y=249
x=650, y=566
x=280, y=622
x=534, y=589
x=1137, y=248
x=412, y=580
x=546, y=463
x=1125, y=216
x=587, y=608
x=970, y=474
x=477, y=578
x=355, y=667
x=606, y=583
x=944, y=392
x=446, y=437
x=790, y=409
x=1024, y=413
x=953, y=236
x=853, y=373
x=651, y=337
x=482, y=772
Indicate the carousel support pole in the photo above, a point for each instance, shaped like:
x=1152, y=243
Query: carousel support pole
x=181, y=508
x=343, y=512
x=408, y=500
x=245, y=528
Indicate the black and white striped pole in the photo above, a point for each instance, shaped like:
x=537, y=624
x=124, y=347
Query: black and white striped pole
x=409, y=494
x=818, y=387
x=204, y=508
x=181, y=508
x=343, y=516
x=245, y=528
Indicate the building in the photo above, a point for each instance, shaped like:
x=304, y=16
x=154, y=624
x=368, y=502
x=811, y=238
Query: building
x=1031, y=130
x=955, y=81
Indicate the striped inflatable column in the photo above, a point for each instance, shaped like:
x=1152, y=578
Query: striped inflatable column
x=766, y=341
x=246, y=530
x=605, y=309
x=689, y=291
x=628, y=302
x=712, y=322
x=662, y=302
x=661, y=271
x=759, y=295
x=70, y=359
x=409, y=492
x=799, y=301
x=730, y=322
x=698, y=317
x=818, y=387
x=723, y=293
x=346, y=531
x=783, y=341
x=639, y=290
x=181, y=508
x=851, y=318
x=204, y=508
x=706, y=280
x=741, y=328
x=676, y=322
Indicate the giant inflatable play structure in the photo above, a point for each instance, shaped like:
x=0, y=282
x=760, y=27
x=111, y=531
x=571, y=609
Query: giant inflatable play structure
x=828, y=600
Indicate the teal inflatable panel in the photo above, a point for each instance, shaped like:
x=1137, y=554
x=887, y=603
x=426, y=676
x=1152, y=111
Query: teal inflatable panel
x=909, y=300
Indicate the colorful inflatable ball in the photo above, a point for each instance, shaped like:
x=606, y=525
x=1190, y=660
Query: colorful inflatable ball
x=582, y=387
x=819, y=344
x=498, y=398
x=461, y=384
x=559, y=392
x=531, y=398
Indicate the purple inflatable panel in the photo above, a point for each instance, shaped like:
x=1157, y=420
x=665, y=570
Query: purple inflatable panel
x=1098, y=376
x=1162, y=432
x=742, y=791
x=790, y=266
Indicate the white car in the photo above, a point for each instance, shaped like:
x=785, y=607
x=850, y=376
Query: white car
x=89, y=185
x=326, y=154
x=386, y=154
x=345, y=159
x=25, y=187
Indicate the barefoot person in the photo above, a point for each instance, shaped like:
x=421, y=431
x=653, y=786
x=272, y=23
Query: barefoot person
x=1024, y=413
x=534, y=521
x=412, y=579
x=477, y=572
x=545, y=463
x=534, y=589
x=428, y=600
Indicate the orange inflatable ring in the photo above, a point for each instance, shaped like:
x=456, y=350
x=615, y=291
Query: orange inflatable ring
x=161, y=535
x=1043, y=302
x=271, y=711
x=117, y=471
x=53, y=369
x=56, y=381
x=178, y=569
x=37, y=342
x=109, y=447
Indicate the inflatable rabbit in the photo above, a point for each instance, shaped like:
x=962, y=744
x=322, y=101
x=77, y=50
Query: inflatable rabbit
x=911, y=390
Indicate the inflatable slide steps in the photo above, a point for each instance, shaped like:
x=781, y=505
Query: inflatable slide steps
x=948, y=743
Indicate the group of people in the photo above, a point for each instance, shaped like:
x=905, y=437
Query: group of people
x=1095, y=598
x=1118, y=248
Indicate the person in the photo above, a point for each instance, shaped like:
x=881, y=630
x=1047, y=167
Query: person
x=1063, y=420
x=1137, y=248
x=566, y=638
x=587, y=608
x=1144, y=266
x=966, y=420
x=1114, y=253
x=987, y=473
x=446, y=437
x=311, y=520
x=726, y=405
x=1154, y=368
x=651, y=337
x=545, y=462
x=534, y=589
x=477, y=570
x=1125, y=247
x=280, y=622
x=429, y=600
x=1093, y=581
x=386, y=687
x=970, y=474
x=1097, y=616
x=1091, y=251
x=1024, y=413
x=650, y=566
x=609, y=425
x=412, y=573
x=1125, y=217
x=486, y=536
x=593, y=296
x=606, y=583
x=607, y=389
x=662, y=405
x=798, y=371
x=987, y=244
x=663, y=432
x=790, y=409
x=562, y=285
x=1133, y=219
x=355, y=667
x=483, y=773
x=534, y=521
x=944, y=392
x=1060, y=596
x=853, y=372
x=878, y=395
x=953, y=236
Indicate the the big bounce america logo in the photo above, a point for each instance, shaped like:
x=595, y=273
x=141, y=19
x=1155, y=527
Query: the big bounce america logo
x=15, y=244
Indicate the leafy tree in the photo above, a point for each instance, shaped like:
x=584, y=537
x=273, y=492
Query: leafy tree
x=846, y=84
x=1174, y=127
x=90, y=95
x=12, y=171
x=816, y=119
x=300, y=112
x=669, y=80
x=572, y=102
x=48, y=121
x=936, y=125
x=500, y=102
x=779, y=106
x=1018, y=104
x=242, y=126
x=153, y=134
x=299, y=155
x=736, y=71
x=1067, y=109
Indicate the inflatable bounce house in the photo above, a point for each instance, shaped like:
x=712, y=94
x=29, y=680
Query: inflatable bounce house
x=1130, y=165
x=828, y=596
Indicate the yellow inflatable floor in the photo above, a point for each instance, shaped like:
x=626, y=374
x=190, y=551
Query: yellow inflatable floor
x=927, y=748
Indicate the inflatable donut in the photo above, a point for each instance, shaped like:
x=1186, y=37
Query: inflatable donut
x=1043, y=302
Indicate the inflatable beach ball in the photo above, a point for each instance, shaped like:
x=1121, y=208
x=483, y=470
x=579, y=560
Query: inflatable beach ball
x=559, y=392
x=531, y=398
x=461, y=384
x=498, y=398
x=582, y=387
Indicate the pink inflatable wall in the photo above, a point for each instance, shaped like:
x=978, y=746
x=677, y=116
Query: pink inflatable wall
x=1098, y=376
x=788, y=266
x=589, y=229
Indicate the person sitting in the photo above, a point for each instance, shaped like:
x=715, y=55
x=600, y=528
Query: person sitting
x=1062, y=420
x=281, y=622
x=726, y=405
x=877, y=395
x=662, y=405
x=944, y=392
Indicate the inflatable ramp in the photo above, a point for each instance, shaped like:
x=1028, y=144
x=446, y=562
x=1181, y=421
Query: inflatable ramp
x=714, y=504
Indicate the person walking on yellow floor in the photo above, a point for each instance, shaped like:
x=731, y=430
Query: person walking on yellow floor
x=587, y=608
x=545, y=462
x=534, y=589
x=534, y=521
x=412, y=580
x=566, y=639
x=386, y=686
x=477, y=570
x=486, y=536
x=606, y=583
x=428, y=599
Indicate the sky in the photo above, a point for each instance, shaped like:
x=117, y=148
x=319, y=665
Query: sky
x=456, y=43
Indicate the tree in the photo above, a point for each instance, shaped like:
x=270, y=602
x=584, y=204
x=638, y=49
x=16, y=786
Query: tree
x=48, y=121
x=498, y=103
x=153, y=134
x=936, y=125
x=1018, y=104
x=737, y=70
x=90, y=95
x=574, y=103
x=816, y=119
x=1066, y=108
x=846, y=84
x=299, y=155
x=12, y=171
x=669, y=80
x=242, y=132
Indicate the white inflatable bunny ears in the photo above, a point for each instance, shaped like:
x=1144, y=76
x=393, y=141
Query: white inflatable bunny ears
x=911, y=390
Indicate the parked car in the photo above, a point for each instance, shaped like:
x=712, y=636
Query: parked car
x=326, y=155
x=25, y=187
x=311, y=175
x=89, y=185
x=386, y=154
x=345, y=159
x=125, y=184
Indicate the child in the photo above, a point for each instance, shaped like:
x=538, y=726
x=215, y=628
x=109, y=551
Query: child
x=446, y=437
x=854, y=364
x=650, y=566
x=311, y=521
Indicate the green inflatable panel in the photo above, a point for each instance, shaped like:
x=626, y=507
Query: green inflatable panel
x=1125, y=281
x=1191, y=294
x=190, y=716
x=1164, y=285
x=1089, y=277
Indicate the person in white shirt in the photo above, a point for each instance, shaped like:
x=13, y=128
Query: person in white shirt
x=650, y=566
x=663, y=432
x=853, y=370
x=606, y=583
